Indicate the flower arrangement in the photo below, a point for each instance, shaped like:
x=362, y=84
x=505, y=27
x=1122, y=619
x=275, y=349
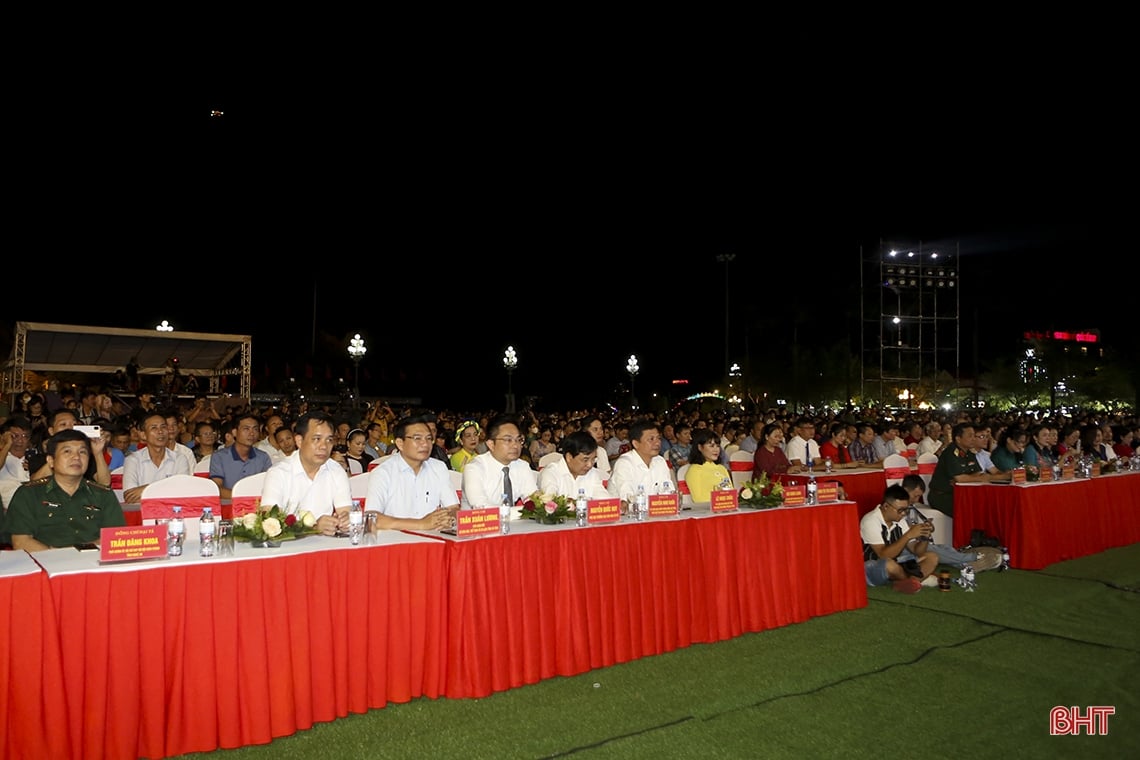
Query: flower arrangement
x=761, y=494
x=272, y=525
x=548, y=508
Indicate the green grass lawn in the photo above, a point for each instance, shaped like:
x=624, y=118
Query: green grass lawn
x=937, y=674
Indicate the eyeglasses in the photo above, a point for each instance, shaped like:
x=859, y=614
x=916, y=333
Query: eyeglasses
x=510, y=440
x=419, y=438
x=19, y=436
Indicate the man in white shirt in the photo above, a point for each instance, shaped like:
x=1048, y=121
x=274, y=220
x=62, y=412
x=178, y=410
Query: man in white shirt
x=802, y=445
x=575, y=469
x=268, y=444
x=309, y=479
x=643, y=465
x=14, y=445
x=412, y=490
x=930, y=443
x=152, y=462
x=499, y=471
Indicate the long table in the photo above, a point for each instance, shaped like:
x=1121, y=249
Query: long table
x=184, y=655
x=1043, y=523
x=558, y=600
x=189, y=655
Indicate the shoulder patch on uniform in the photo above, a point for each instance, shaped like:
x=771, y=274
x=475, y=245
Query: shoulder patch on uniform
x=39, y=481
x=98, y=485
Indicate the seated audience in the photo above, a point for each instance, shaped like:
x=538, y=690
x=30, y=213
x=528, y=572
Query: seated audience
x=575, y=469
x=412, y=490
x=705, y=472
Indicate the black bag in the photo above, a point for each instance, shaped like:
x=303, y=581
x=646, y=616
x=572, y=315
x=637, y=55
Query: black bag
x=979, y=538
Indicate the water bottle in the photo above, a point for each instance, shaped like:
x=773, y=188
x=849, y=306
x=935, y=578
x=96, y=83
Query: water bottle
x=175, y=533
x=1004, y=559
x=1056, y=471
x=827, y=465
x=206, y=533
x=355, y=522
x=580, y=507
x=808, y=462
x=812, y=489
x=667, y=490
x=505, y=515
x=641, y=504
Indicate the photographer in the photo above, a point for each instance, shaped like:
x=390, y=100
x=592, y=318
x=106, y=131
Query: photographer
x=893, y=551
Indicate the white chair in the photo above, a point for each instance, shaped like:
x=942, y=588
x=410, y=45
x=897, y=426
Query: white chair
x=457, y=483
x=550, y=458
x=926, y=464
x=187, y=491
x=245, y=496
x=117, y=482
x=358, y=487
x=377, y=461
x=740, y=465
x=731, y=449
x=683, y=486
x=202, y=468
x=895, y=468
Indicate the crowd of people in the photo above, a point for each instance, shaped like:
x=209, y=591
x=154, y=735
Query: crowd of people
x=313, y=452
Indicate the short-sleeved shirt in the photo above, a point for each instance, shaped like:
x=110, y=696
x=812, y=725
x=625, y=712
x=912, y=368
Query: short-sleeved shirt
x=953, y=462
x=43, y=510
x=227, y=465
x=288, y=486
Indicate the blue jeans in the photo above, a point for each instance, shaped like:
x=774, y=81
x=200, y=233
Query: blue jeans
x=948, y=555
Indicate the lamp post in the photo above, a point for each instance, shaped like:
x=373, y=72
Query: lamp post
x=165, y=327
x=632, y=368
x=510, y=361
x=726, y=259
x=356, y=350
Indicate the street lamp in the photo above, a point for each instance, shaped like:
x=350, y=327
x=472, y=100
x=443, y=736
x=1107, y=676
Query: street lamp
x=165, y=327
x=510, y=361
x=632, y=368
x=356, y=350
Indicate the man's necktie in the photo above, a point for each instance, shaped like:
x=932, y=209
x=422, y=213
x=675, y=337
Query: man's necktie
x=507, y=485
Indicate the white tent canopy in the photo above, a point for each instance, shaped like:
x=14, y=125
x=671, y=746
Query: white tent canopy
x=49, y=348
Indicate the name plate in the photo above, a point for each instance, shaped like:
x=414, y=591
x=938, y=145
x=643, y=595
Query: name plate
x=601, y=511
x=827, y=492
x=795, y=496
x=1045, y=473
x=724, y=501
x=1095, y=468
x=663, y=505
x=132, y=542
x=1068, y=472
x=476, y=522
x=1017, y=475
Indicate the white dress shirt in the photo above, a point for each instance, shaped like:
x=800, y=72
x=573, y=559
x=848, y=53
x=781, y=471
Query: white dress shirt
x=483, y=481
x=13, y=474
x=140, y=470
x=397, y=490
x=794, y=449
x=557, y=479
x=603, y=463
x=288, y=486
x=630, y=471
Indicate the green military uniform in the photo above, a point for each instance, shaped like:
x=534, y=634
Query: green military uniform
x=47, y=513
x=953, y=462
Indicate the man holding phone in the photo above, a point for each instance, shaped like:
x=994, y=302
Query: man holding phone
x=97, y=467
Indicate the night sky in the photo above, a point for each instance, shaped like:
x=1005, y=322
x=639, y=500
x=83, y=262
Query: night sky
x=578, y=244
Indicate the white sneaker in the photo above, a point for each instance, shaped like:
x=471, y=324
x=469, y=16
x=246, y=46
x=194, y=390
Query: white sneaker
x=930, y=581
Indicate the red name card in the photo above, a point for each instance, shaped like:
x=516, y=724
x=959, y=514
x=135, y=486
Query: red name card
x=1045, y=473
x=795, y=496
x=1068, y=472
x=1095, y=469
x=132, y=542
x=664, y=505
x=724, y=501
x=599, y=511
x=827, y=491
x=1017, y=475
x=476, y=522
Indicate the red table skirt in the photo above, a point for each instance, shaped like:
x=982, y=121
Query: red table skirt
x=528, y=607
x=1050, y=522
x=190, y=659
x=33, y=691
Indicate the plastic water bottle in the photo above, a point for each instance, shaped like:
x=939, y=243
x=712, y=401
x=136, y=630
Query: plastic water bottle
x=1004, y=559
x=206, y=533
x=641, y=504
x=505, y=515
x=809, y=462
x=812, y=489
x=667, y=490
x=827, y=464
x=175, y=533
x=580, y=507
x=355, y=522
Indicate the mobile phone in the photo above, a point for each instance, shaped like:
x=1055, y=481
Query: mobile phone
x=91, y=431
x=88, y=547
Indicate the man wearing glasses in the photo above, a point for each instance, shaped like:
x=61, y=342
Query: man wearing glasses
x=412, y=490
x=894, y=552
x=499, y=471
x=14, y=441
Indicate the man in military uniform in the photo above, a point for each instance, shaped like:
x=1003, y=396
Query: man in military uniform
x=957, y=464
x=65, y=508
